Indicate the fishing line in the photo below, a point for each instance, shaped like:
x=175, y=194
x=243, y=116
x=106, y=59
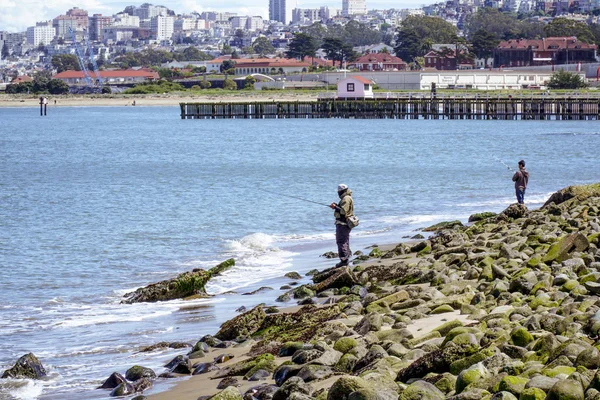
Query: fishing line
x=503, y=163
x=291, y=197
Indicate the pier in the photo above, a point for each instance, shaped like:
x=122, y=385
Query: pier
x=542, y=107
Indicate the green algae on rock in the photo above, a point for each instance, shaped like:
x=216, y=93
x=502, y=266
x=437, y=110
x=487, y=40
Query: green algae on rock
x=183, y=286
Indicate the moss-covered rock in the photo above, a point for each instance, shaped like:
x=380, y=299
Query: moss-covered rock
x=347, y=363
x=470, y=376
x=421, y=390
x=345, y=344
x=532, y=394
x=580, y=192
x=521, y=337
x=242, y=325
x=183, y=286
x=230, y=393
x=443, y=225
x=138, y=372
x=560, y=251
x=513, y=384
x=26, y=367
x=444, y=308
x=346, y=385
x=566, y=389
x=481, y=216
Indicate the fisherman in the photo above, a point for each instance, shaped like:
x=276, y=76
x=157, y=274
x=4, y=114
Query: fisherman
x=344, y=209
x=520, y=178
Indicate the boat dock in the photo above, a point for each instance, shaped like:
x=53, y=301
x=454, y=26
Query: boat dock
x=424, y=107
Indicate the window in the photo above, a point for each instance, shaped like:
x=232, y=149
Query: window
x=367, y=87
x=350, y=87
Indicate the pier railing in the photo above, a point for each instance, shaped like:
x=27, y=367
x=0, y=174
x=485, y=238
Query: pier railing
x=433, y=107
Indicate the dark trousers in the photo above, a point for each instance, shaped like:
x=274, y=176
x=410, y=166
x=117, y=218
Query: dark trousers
x=342, y=238
x=520, y=196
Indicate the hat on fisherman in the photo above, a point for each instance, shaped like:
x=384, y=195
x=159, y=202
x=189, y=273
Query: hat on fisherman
x=342, y=187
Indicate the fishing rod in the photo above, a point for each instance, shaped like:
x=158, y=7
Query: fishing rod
x=503, y=163
x=292, y=197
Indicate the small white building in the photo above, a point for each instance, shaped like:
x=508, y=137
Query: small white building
x=355, y=87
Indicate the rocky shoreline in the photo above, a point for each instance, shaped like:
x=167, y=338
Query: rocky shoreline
x=506, y=307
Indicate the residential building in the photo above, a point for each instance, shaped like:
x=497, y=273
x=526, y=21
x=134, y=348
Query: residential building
x=217, y=16
x=547, y=51
x=41, y=33
x=445, y=59
x=63, y=24
x=247, y=66
x=279, y=11
x=354, y=7
x=379, y=62
x=116, y=34
x=147, y=11
x=97, y=23
x=306, y=15
x=80, y=16
x=124, y=19
x=255, y=23
x=162, y=27
x=238, y=22
x=355, y=87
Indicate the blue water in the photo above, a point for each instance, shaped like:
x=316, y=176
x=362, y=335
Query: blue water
x=96, y=202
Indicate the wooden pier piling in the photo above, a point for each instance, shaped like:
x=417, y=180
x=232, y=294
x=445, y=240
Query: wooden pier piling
x=467, y=107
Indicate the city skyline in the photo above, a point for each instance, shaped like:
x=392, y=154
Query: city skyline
x=18, y=15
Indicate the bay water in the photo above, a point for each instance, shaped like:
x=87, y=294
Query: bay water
x=96, y=202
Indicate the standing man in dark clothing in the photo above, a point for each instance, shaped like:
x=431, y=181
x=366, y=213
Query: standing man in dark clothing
x=520, y=178
x=344, y=209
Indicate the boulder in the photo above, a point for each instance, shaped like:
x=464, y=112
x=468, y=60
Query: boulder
x=230, y=393
x=245, y=324
x=566, y=389
x=26, y=367
x=581, y=192
x=515, y=211
x=138, y=372
x=114, y=380
x=341, y=277
x=443, y=225
x=185, y=285
x=422, y=390
x=124, y=389
x=292, y=385
x=370, y=322
x=560, y=251
x=313, y=372
x=347, y=385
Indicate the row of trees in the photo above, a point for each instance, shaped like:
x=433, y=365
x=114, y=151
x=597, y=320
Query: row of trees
x=42, y=84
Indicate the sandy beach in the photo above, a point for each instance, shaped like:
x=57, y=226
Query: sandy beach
x=149, y=100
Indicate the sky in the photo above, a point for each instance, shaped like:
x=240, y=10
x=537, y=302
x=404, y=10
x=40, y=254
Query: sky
x=17, y=15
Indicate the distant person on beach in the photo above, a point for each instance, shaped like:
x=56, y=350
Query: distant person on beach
x=520, y=178
x=344, y=209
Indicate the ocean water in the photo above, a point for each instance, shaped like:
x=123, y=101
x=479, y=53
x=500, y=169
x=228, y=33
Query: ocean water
x=95, y=202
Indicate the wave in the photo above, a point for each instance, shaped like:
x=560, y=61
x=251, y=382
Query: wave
x=21, y=389
x=530, y=200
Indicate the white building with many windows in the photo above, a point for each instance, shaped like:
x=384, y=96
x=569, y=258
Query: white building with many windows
x=354, y=7
x=162, y=27
x=42, y=32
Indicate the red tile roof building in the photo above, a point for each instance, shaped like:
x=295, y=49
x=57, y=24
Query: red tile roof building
x=548, y=51
x=379, y=62
x=445, y=60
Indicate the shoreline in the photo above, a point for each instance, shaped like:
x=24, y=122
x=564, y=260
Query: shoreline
x=157, y=100
x=422, y=324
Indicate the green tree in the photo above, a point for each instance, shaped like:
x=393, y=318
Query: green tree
x=416, y=34
x=65, y=62
x=502, y=25
x=40, y=83
x=226, y=50
x=235, y=55
x=568, y=27
x=249, y=83
x=227, y=66
x=317, y=31
x=56, y=86
x=228, y=84
x=337, y=50
x=566, y=80
x=359, y=34
x=302, y=45
x=484, y=43
x=192, y=54
x=263, y=46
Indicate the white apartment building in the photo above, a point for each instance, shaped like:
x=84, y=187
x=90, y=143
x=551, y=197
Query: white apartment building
x=148, y=11
x=162, y=27
x=124, y=19
x=185, y=24
x=238, y=22
x=42, y=32
x=62, y=25
x=255, y=23
x=354, y=7
x=279, y=11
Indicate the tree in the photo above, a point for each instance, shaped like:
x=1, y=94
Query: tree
x=263, y=46
x=566, y=80
x=301, y=46
x=227, y=66
x=337, y=50
x=416, y=34
x=40, y=83
x=226, y=49
x=5, y=51
x=228, y=84
x=249, y=83
x=359, y=34
x=568, y=27
x=65, y=62
x=192, y=54
x=503, y=25
x=56, y=86
x=484, y=43
x=235, y=55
